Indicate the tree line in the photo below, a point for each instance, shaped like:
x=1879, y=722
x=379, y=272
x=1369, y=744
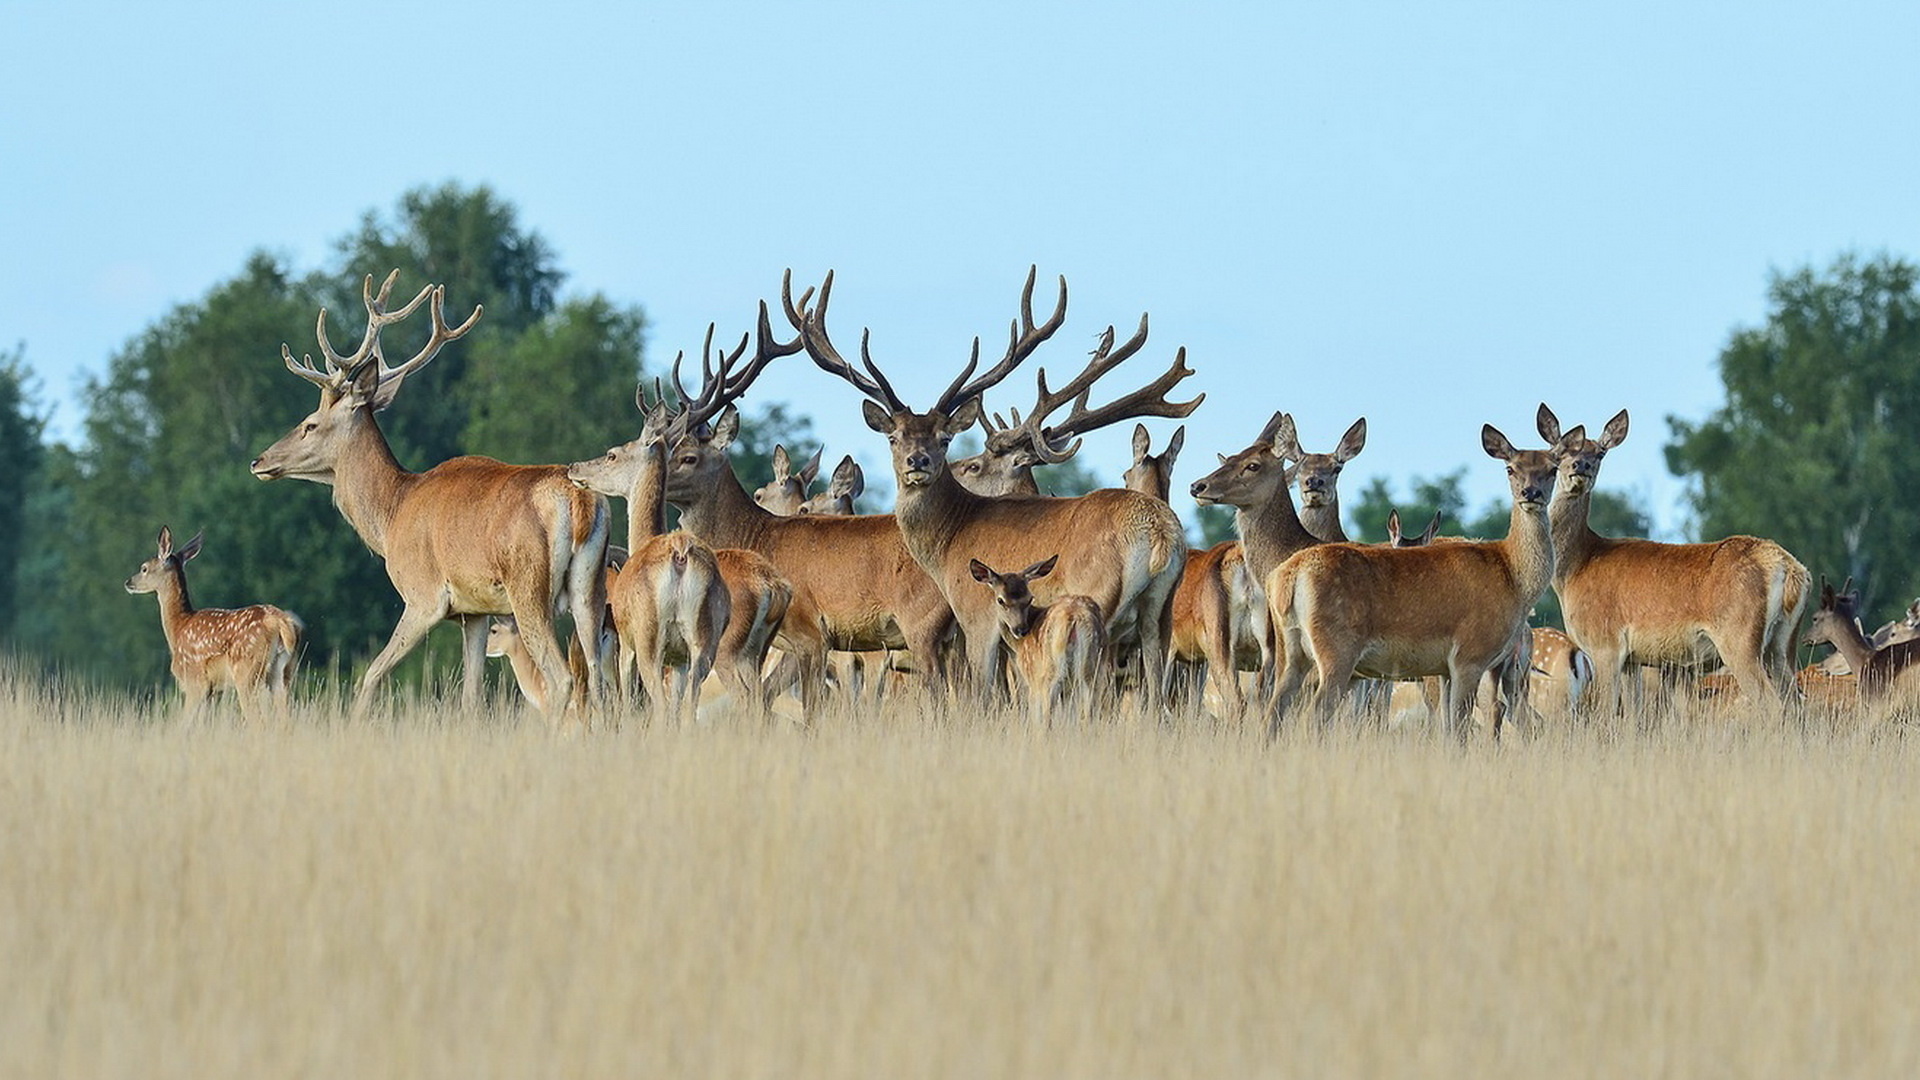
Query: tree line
x=1808, y=449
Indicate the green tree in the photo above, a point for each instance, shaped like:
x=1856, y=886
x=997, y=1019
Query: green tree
x=21, y=426
x=1367, y=519
x=560, y=391
x=1810, y=448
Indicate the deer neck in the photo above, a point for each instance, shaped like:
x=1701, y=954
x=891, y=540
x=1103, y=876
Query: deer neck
x=932, y=515
x=1574, y=541
x=1324, y=521
x=176, y=607
x=1271, y=533
x=723, y=514
x=368, y=483
x=647, y=502
x=1530, y=551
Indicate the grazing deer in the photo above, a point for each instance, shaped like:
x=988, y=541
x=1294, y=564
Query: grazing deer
x=468, y=538
x=786, y=493
x=1319, y=477
x=1122, y=549
x=1059, y=649
x=1639, y=603
x=1150, y=473
x=252, y=649
x=1397, y=613
x=848, y=481
x=1006, y=466
x=1880, y=671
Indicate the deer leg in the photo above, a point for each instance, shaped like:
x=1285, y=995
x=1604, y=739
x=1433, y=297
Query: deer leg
x=414, y=623
x=533, y=610
x=1294, y=664
x=1463, y=691
x=473, y=657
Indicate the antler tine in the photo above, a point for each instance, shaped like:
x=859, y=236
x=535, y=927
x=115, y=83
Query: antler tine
x=1149, y=400
x=378, y=317
x=812, y=324
x=1102, y=360
x=322, y=379
x=442, y=333
x=1023, y=338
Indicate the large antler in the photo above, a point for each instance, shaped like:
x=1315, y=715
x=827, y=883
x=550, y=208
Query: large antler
x=341, y=369
x=1057, y=442
x=1023, y=337
x=725, y=382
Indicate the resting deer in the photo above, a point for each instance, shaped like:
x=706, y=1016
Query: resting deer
x=848, y=481
x=1319, y=478
x=1639, y=603
x=1150, y=473
x=253, y=649
x=1122, y=549
x=1006, y=466
x=1398, y=613
x=1880, y=671
x=1059, y=649
x=468, y=538
x=786, y=493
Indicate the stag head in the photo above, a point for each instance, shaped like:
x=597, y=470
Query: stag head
x=354, y=387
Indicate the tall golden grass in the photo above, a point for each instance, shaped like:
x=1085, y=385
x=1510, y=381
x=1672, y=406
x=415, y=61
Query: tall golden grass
x=438, y=893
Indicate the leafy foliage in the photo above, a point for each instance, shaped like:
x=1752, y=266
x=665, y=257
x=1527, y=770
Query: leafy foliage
x=1812, y=446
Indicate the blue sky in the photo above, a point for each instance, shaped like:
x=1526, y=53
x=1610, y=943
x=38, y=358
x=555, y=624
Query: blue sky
x=1433, y=215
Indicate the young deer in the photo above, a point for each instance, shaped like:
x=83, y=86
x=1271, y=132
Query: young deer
x=1059, y=649
x=253, y=649
x=848, y=481
x=786, y=493
x=1397, y=613
x=1880, y=670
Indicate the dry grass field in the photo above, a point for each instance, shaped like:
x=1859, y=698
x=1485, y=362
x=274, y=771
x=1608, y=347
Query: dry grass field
x=434, y=893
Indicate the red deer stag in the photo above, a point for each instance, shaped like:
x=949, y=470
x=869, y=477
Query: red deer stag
x=1399, y=613
x=468, y=538
x=1640, y=603
x=1122, y=549
x=252, y=649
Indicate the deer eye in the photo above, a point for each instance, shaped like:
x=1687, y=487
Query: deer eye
x=1253, y=466
x=311, y=427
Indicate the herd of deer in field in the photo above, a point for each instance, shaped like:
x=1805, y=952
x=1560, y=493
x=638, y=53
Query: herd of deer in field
x=978, y=586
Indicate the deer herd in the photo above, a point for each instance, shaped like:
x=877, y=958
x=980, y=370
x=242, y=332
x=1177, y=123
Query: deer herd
x=979, y=589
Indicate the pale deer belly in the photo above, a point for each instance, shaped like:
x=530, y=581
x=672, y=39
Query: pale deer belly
x=1404, y=659
x=485, y=598
x=1682, y=648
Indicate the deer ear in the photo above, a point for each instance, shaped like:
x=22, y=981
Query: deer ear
x=1393, y=527
x=962, y=418
x=1173, y=445
x=1615, y=432
x=1142, y=442
x=812, y=468
x=1354, y=441
x=1494, y=443
x=725, y=429
x=1547, y=424
x=782, y=464
x=981, y=571
x=166, y=542
x=1286, y=439
x=877, y=417
x=1040, y=569
x=1433, y=530
x=193, y=546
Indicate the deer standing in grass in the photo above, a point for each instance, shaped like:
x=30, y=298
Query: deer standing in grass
x=1399, y=613
x=253, y=650
x=1880, y=671
x=1122, y=549
x=1059, y=649
x=468, y=538
x=1638, y=603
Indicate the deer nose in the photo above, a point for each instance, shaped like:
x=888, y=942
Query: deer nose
x=920, y=461
x=1198, y=487
x=1532, y=493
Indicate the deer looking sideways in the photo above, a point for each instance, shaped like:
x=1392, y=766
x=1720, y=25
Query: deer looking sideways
x=1121, y=549
x=468, y=538
x=253, y=649
x=1398, y=613
x=1640, y=603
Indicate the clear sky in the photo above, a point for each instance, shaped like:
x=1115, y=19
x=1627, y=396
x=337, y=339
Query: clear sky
x=1433, y=215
